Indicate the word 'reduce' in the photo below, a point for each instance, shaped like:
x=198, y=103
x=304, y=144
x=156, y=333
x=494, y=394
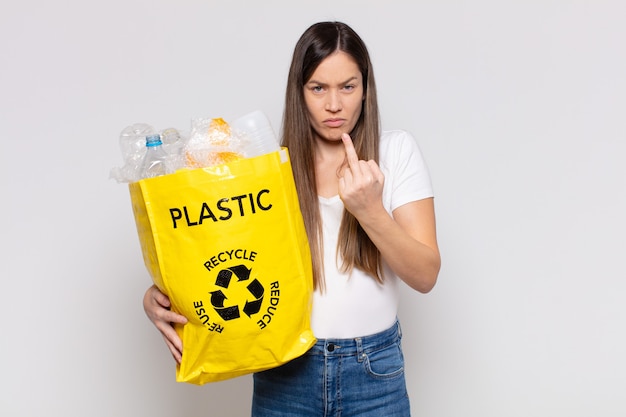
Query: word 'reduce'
x=222, y=209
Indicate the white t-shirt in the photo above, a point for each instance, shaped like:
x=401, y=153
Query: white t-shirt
x=357, y=305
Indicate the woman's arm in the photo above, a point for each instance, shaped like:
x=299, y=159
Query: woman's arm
x=408, y=240
x=157, y=307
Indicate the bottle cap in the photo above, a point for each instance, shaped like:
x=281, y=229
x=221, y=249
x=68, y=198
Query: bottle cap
x=153, y=140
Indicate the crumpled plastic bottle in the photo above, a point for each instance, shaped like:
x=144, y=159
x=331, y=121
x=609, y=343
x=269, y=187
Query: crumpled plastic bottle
x=156, y=160
x=133, y=142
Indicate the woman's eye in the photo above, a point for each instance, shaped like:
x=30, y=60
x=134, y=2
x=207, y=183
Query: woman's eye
x=317, y=89
x=349, y=87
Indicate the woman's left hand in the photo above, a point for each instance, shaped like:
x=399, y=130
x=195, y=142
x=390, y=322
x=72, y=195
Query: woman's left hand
x=361, y=182
x=407, y=241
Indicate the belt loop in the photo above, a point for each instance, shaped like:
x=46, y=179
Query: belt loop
x=360, y=355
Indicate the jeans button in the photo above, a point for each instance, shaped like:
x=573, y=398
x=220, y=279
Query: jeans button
x=331, y=347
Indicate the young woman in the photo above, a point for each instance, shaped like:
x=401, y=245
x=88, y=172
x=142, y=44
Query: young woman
x=367, y=204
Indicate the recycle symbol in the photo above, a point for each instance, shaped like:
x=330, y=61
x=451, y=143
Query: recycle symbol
x=255, y=288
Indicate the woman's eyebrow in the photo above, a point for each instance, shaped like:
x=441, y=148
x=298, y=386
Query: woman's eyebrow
x=313, y=81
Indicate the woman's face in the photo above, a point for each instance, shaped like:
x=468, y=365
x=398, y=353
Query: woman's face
x=334, y=96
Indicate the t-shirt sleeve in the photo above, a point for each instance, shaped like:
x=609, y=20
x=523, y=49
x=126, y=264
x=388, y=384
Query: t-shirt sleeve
x=410, y=179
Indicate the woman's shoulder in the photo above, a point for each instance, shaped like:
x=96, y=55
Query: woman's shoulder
x=397, y=134
x=397, y=142
x=402, y=162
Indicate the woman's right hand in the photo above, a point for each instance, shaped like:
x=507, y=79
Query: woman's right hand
x=157, y=308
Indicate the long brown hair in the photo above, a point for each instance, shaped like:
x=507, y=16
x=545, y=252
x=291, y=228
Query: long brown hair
x=316, y=43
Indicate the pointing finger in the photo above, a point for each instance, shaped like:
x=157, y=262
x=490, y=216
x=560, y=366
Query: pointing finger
x=351, y=156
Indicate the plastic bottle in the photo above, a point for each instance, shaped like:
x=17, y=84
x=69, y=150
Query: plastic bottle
x=133, y=142
x=155, y=162
x=257, y=133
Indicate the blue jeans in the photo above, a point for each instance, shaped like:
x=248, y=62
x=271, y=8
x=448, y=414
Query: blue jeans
x=338, y=377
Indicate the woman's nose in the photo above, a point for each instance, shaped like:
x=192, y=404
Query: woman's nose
x=333, y=102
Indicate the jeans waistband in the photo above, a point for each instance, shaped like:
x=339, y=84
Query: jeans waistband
x=358, y=345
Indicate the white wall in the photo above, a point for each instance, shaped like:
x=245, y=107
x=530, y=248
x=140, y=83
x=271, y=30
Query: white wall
x=518, y=106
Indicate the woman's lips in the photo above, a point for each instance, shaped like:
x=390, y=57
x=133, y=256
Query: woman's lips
x=334, y=122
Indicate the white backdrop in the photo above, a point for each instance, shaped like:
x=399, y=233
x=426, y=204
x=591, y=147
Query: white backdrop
x=519, y=108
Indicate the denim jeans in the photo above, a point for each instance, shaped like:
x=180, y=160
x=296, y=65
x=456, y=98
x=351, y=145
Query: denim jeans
x=338, y=377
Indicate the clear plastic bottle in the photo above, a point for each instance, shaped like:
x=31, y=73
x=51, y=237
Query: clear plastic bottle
x=133, y=142
x=156, y=160
x=257, y=134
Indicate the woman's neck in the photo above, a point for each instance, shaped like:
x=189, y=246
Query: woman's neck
x=329, y=157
